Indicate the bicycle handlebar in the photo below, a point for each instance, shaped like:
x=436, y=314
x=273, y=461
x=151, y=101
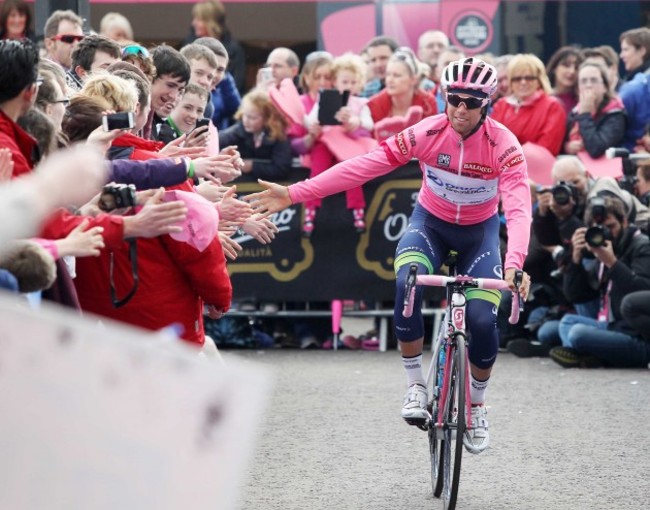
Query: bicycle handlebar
x=436, y=280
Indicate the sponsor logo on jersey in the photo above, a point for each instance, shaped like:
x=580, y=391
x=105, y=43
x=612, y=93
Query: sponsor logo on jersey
x=490, y=140
x=399, y=140
x=444, y=160
x=517, y=159
x=434, y=178
x=463, y=190
x=507, y=153
x=473, y=169
x=412, y=137
x=432, y=132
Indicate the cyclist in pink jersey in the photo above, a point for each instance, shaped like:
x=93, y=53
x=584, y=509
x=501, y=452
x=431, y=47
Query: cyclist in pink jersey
x=468, y=162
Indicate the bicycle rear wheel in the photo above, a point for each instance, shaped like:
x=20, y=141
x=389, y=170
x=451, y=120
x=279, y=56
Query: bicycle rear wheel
x=455, y=424
x=436, y=441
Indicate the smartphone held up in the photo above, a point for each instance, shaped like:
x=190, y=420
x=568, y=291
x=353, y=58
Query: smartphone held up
x=121, y=120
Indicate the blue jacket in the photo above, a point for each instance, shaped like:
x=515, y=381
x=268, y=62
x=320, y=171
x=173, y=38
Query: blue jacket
x=226, y=101
x=635, y=95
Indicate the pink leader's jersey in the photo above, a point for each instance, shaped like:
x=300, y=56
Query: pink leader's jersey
x=462, y=179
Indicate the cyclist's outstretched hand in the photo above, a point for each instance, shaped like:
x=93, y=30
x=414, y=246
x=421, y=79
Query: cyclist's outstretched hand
x=272, y=199
x=525, y=282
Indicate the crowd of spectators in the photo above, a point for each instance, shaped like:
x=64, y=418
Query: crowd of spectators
x=151, y=247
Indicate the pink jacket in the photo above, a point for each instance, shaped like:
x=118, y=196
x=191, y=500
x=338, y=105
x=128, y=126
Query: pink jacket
x=462, y=179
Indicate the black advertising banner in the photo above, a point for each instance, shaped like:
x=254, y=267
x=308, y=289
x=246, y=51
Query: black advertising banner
x=336, y=262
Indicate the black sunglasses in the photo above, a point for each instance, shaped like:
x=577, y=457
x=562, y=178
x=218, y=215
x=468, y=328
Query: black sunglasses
x=471, y=103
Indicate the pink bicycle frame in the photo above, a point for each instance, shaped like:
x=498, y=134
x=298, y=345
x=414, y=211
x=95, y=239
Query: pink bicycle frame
x=457, y=320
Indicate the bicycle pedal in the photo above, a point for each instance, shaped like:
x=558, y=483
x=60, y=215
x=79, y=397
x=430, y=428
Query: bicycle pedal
x=422, y=424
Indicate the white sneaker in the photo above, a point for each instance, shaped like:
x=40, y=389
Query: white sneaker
x=477, y=438
x=414, y=410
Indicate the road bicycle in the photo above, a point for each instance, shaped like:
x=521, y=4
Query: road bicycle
x=447, y=379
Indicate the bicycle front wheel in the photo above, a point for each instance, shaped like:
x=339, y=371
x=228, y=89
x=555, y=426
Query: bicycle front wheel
x=455, y=424
x=436, y=436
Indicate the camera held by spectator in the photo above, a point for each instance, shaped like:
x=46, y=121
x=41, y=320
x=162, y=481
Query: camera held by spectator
x=598, y=234
x=117, y=196
x=563, y=192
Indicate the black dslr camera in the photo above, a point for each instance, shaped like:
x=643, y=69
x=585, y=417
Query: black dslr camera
x=563, y=192
x=597, y=235
x=117, y=196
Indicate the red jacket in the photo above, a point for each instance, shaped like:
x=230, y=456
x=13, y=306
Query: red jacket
x=130, y=146
x=175, y=278
x=21, y=145
x=380, y=104
x=540, y=120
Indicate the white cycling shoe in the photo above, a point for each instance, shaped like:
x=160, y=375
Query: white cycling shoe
x=477, y=438
x=414, y=410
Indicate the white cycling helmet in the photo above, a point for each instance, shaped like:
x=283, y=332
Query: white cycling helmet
x=470, y=74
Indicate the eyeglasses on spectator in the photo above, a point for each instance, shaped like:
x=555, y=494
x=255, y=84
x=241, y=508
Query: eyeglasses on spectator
x=69, y=38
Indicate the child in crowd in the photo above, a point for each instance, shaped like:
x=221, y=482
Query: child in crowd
x=347, y=74
x=260, y=137
x=31, y=264
x=190, y=108
x=305, y=140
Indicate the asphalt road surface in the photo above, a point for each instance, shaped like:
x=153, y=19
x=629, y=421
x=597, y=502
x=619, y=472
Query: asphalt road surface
x=332, y=438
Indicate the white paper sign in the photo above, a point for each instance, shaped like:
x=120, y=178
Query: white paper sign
x=115, y=418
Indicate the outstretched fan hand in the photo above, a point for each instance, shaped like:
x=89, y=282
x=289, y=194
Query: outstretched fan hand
x=272, y=199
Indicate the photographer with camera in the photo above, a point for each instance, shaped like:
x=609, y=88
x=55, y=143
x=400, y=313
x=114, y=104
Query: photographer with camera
x=620, y=265
x=558, y=214
x=560, y=209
